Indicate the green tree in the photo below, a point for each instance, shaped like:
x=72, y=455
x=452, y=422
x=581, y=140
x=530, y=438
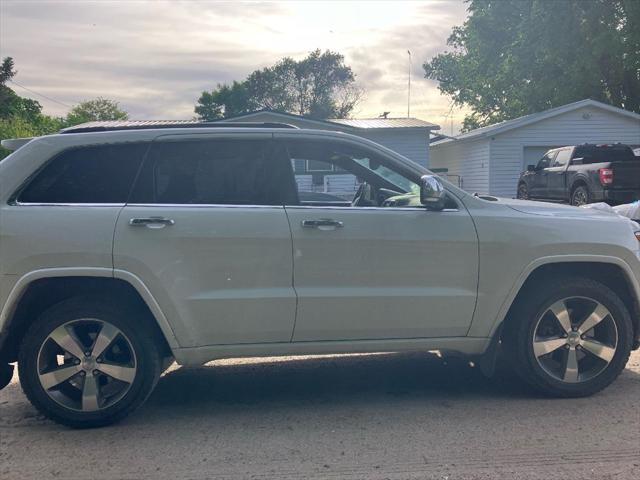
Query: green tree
x=21, y=117
x=95, y=110
x=11, y=104
x=318, y=86
x=512, y=58
x=225, y=100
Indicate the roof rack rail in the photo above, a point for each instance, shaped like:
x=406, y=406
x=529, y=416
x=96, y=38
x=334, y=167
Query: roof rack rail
x=110, y=126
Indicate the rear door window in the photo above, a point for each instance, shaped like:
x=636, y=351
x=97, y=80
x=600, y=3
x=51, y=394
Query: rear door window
x=95, y=174
x=214, y=172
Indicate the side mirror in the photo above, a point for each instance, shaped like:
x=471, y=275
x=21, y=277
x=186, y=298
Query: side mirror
x=531, y=168
x=432, y=193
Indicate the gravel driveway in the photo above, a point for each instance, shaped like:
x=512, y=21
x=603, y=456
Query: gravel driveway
x=385, y=416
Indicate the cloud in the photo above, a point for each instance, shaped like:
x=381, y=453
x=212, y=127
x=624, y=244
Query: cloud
x=156, y=57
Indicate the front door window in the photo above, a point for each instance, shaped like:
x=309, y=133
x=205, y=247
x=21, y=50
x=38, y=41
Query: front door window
x=344, y=175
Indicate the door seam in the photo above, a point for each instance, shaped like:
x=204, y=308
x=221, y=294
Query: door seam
x=113, y=241
x=293, y=274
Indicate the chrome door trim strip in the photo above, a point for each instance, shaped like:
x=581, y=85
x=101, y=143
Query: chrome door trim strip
x=54, y=204
x=223, y=205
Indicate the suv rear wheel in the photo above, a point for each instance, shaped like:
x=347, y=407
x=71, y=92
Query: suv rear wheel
x=569, y=338
x=87, y=362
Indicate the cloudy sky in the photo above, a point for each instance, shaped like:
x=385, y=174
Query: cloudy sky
x=155, y=57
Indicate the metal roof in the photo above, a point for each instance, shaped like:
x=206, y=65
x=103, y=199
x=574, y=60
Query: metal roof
x=110, y=125
x=367, y=123
x=532, y=118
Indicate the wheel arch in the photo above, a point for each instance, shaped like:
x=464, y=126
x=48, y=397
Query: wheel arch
x=38, y=290
x=611, y=271
x=578, y=182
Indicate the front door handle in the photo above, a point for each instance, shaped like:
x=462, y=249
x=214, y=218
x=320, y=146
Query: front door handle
x=323, y=223
x=151, y=222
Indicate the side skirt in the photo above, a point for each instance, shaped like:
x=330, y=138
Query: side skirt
x=201, y=355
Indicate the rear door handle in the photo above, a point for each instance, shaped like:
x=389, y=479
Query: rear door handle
x=322, y=223
x=151, y=222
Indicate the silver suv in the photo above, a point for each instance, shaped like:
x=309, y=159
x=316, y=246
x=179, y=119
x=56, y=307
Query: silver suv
x=123, y=248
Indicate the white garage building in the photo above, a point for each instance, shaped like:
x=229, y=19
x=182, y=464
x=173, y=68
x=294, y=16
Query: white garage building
x=490, y=159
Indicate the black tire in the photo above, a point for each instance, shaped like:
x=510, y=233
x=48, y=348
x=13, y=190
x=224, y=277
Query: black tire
x=520, y=330
x=6, y=374
x=131, y=322
x=523, y=191
x=580, y=196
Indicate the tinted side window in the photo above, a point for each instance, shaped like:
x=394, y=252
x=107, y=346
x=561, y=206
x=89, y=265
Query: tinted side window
x=96, y=174
x=232, y=172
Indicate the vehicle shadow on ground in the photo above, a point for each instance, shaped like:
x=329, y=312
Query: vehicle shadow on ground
x=343, y=379
x=298, y=385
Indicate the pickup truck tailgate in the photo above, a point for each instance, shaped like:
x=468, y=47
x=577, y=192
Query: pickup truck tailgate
x=626, y=174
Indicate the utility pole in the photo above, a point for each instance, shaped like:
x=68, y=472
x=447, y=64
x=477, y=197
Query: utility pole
x=409, y=89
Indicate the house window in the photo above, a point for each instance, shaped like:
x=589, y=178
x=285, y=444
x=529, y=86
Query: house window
x=319, y=166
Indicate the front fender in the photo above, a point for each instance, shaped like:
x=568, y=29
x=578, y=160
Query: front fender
x=631, y=278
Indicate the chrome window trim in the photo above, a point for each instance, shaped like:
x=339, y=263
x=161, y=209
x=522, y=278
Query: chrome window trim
x=54, y=204
x=200, y=205
x=385, y=209
x=224, y=205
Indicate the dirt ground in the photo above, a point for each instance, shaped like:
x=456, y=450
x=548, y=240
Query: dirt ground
x=385, y=416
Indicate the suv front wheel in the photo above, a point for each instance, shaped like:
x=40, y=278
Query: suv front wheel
x=87, y=362
x=569, y=338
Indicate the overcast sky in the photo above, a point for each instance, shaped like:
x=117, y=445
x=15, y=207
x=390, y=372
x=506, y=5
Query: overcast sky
x=155, y=57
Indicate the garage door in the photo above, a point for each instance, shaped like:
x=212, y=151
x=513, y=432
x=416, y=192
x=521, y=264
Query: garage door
x=533, y=154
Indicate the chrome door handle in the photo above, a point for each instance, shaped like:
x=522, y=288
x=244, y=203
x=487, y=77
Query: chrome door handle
x=151, y=222
x=323, y=222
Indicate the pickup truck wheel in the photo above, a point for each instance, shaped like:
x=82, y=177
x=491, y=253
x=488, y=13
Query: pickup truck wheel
x=569, y=338
x=523, y=191
x=580, y=196
x=86, y=362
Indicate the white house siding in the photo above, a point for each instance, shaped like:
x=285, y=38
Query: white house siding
x=469, y=160
x=411, y=143
x=571, y=128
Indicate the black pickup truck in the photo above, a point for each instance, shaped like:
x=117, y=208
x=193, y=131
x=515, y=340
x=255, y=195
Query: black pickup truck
x=584, y=174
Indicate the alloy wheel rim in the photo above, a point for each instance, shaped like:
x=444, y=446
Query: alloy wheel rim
x=575, y=339
x=579, y=198
x=522, y=191
x=86, y=365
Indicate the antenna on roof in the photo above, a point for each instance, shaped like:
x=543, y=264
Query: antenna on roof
x=409, y=89
x=383, y=114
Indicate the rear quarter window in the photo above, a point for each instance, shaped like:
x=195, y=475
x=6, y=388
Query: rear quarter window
x=93, y=174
